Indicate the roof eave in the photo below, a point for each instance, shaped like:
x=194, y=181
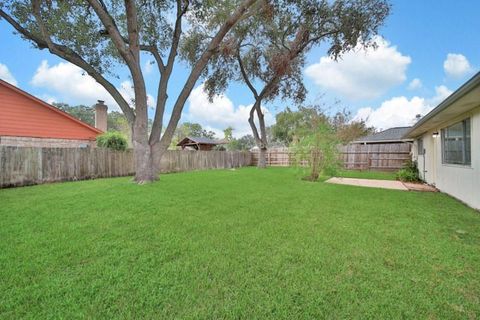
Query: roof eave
x=383, y=141
x=460, y=92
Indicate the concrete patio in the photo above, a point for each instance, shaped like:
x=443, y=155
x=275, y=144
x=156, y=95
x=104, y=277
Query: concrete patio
x=383, y=184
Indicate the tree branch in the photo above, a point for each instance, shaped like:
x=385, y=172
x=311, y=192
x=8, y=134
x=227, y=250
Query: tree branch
x=132, y=29
x=165, y=73
x=245, y=76
x=198, y=68
x=74, y=58
x=251, y=121
x=156, y=55
x=117, y=38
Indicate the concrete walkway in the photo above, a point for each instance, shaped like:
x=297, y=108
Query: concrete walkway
x=371, y=183
x=383, y=184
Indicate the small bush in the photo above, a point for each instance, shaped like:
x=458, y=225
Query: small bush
x=112, y=140
x=409, y=173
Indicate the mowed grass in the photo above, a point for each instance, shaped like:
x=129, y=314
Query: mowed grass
x=367, y=174
x=235, y=244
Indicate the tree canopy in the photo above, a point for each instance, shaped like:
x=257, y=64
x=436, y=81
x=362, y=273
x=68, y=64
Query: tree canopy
x=288, y=123
x=267, y=53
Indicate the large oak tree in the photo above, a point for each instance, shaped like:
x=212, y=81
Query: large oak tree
x=267, y=53
x=99, y=35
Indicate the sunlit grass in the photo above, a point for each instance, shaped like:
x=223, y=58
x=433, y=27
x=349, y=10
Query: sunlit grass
x=235, y=244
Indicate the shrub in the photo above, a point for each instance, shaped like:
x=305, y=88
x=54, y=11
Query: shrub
x=409, y=173
x=316, y=148
x=112, y=140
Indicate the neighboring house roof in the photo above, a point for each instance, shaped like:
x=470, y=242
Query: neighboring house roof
x=390, y=135
x=200, y=140
x=464, y=99
x=23, y=115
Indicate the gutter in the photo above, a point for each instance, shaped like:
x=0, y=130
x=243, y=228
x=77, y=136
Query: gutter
x=459, y=93
x=383, y=141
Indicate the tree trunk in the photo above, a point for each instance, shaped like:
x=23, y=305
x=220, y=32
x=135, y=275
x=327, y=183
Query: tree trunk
x=260, y=138
x=315, y=165
x=145, y=170
x=262, y=158
x=144, y=165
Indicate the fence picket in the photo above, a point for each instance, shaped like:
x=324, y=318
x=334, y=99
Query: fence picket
x=391, y=156
x=21, y=166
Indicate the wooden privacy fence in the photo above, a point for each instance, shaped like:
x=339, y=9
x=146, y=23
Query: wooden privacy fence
x=281, y=157
x=388, y=156
x=177, y=161
x=21, y=166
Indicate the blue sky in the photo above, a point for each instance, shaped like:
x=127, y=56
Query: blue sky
x=434, y=42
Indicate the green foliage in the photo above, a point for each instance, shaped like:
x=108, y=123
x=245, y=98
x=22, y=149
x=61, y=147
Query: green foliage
x=409, y=173
x=288, y=122
x=189, y=129
x=348, y=130
x=243, y=143
x=116, y=121
x=81, y=112
x=204, y=246
x=112, y=140
x=316, y=146
x=228, y=134
x=272, y=45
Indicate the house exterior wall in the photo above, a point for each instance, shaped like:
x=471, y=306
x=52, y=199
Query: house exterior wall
x=22, y=115
x=45, y=142
x=461, y=182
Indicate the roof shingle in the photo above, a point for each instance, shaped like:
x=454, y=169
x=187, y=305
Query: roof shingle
x=390, y=135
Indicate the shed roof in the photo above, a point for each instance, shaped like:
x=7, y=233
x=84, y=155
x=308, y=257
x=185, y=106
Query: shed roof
x=390, y=135
x=23, y=115
x=200, y=140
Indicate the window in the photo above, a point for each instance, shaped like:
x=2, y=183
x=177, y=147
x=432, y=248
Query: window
x=456, y=143
x=420, y=149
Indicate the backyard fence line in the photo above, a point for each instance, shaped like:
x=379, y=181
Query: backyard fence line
x=388, y=156
x=20, y=166
x=178, y=161
x=385, y=156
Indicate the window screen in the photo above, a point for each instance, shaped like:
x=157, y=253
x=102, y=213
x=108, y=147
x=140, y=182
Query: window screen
x=420, y=147
x=456, y=143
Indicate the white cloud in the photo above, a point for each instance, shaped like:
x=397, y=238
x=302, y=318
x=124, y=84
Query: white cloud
x=415, y=84
x=148, y=66
x=6, y=75
x=401, y=111
x=71, y=84
x=220, y=113
x=48, y=99
x=364, y=73
x=441, y=93
x=456, y=65
x=396, y=112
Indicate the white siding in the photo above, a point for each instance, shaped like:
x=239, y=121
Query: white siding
x=462, y=182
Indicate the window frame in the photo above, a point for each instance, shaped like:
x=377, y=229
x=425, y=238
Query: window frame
x=420, y=147
x=466, y=160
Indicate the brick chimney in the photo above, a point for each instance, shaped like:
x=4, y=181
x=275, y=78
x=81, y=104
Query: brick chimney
x=101, y=115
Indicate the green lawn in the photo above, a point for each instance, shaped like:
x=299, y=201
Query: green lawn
x=235, y=244
x=380, y=175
